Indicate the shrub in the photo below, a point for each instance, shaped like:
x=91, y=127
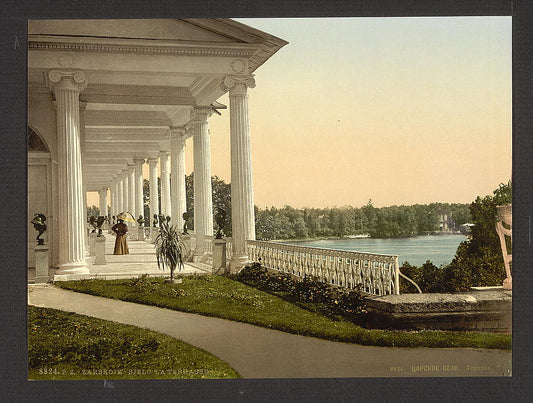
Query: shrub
x=431, y=278
x=413, y=272
x=350, y=304
x=252, y=275
x=478, y=261
x=310, y=289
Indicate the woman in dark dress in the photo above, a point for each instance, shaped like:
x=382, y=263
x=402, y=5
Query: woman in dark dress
x=121, y=245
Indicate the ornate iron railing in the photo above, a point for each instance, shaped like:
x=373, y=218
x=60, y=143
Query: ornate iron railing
x=377, y=274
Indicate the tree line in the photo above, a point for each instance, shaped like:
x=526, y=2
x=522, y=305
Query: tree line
x=291, y=223
x=385, y=222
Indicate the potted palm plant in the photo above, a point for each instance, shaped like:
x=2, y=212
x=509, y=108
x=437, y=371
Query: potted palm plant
x=170, y=250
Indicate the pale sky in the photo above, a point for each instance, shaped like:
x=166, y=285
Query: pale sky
x=397, y=110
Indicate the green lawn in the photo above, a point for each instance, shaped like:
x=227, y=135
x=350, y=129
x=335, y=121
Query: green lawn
x=64, y=345
x=222, y=297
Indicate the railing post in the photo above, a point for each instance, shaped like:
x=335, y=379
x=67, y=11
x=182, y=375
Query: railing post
x=396, y=276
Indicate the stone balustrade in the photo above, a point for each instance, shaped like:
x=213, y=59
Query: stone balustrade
x=377, y=274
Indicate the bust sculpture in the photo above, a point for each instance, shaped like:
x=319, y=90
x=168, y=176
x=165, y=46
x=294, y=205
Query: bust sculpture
x=99, y=222
x=38, y=222
x=220, y=219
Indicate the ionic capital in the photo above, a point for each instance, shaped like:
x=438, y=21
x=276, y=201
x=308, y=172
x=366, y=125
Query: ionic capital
x=238, y=85
x=61, y=80
x=176, y=132
x=138, y=161
x=200, y=114
x=153, y=161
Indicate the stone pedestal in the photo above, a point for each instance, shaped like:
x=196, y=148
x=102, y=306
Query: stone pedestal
x=41, y=264
x=140, y=236
x=219, y=256
x=480, y=311
x=154, y=232
x=187, y=254
x=92, y=238
x=99, y=248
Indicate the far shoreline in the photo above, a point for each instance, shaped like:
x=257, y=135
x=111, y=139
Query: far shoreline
x=436, y=233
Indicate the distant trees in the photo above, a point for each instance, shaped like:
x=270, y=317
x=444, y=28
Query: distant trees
x=290, y=223
x=386, y=222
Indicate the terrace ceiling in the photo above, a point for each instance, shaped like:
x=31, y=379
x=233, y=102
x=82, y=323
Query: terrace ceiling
x=143, y=77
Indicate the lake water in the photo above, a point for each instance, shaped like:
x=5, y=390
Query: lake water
x=440, y=249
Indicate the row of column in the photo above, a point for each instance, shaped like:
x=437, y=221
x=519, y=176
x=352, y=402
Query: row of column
x=127, y=186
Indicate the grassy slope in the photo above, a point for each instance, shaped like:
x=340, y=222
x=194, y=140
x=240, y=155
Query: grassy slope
x=64, y=345
x=224, y=298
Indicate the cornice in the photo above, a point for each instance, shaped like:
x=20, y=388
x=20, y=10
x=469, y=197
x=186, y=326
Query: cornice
x=55, y=44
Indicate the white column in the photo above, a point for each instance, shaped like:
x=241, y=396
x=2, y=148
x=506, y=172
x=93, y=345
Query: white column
x=114, y=199
x=131, y=192
x=242, y=192
x=102, y=193
x=126, y=189
x=178, y=199
x=165, y=183
x=139, y=200
x=120, y=194
x=83, y=107
x=66, y=86
x=154, y=201
x=203, y=199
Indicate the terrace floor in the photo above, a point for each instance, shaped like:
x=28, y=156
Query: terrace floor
x=141, y=260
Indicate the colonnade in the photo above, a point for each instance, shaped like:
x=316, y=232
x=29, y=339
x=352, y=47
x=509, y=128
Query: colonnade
x=126, y=187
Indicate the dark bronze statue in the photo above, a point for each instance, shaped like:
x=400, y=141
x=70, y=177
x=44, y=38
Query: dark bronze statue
x=163, y=221
x=99, y=222
x=39, y=225
x=186, y=217
x=92, y=222
x=140, y=220
x=155, y=220
x=220, y=219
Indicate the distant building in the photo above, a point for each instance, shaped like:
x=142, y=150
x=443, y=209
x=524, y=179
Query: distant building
x=446, y=222
x=466, y=228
